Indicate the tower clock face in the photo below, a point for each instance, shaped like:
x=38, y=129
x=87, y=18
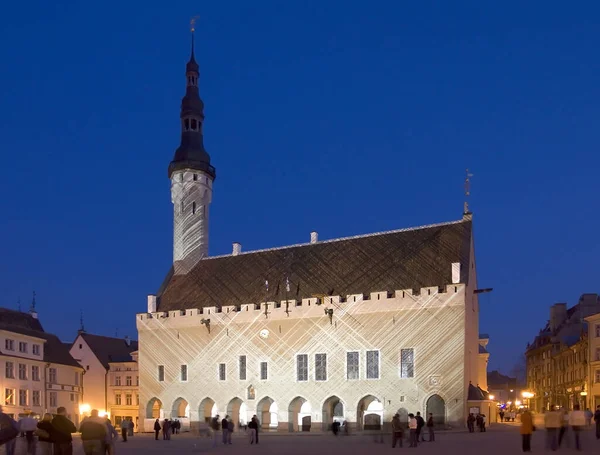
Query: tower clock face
x=264, y=334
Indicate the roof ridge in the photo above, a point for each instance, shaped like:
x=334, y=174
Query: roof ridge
x=105, y=336
x=340, y=239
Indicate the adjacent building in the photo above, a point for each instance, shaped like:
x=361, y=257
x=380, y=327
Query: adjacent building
x=593, y=373
x=504, y=388
x=95, y=354
x=350, y=329
x=38, y=374
x=557, y=359
x=124, y=389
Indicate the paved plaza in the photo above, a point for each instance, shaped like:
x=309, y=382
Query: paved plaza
x=500, y=439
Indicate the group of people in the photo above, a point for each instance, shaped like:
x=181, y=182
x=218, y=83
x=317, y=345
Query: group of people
x=478, y=420
x=168, y=428
x=50, y=435
x=225, y=427
x=557, y=423
x=416, y=423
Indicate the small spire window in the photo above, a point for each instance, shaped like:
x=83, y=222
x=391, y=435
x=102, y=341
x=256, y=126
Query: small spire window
x=193, y=208
x=186, y=124
x=195, y=177
x=194, y=124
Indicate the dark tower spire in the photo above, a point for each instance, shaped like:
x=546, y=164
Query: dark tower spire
x=191, y=153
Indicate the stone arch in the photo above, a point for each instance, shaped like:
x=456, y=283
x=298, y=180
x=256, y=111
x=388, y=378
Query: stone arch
x=266, y=411
x=237, y=411
x=206, y=410
x=369, y=413
x=299, y=415
x=436, y=406
x=154, y=409
x=333, y=410
x=180, y=409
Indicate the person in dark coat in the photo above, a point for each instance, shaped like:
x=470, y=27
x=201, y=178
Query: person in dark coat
x=430, y=427
x=166, y=429
x=420, y=425
x=62, y=435
x=156, y=429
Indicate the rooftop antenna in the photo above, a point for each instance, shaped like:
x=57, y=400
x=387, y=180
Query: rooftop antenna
x=468, y=176
x=19, y=303
x=81, y=326
x=32, y=309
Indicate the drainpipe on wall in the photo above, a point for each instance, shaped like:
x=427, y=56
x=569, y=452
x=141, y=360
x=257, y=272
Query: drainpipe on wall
x=46, y=387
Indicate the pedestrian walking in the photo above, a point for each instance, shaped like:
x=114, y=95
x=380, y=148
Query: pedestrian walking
x=396, y=431
x=215, y=429
x=230, y=427
x=430, y=427
x=124, y=430
x=412, y=429
x=526, y=430
x=420, y=425
x=597, y=421
x=471, y=423
x=577, y=423
x=552, y=422
x=44, y=433
x=156, y=429
x=111, y=437
x=63, y=431
x=93, y=431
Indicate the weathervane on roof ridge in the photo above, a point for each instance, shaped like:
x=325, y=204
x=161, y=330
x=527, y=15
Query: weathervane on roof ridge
x=81, y=326
x=19, y=303
x=32, y=309
x=467, y=191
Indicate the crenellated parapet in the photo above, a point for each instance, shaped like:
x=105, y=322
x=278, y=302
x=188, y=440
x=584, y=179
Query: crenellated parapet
x=314, y=307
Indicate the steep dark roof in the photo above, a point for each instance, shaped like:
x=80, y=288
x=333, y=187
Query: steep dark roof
x=497, y=378
x=20, y=319
x=55, y=350
x=405, y=259
x=483, y=350
x=477, y=393
x=107, y=348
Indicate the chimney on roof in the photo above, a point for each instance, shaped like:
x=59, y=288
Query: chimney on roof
x=237, y=249
x=314, y=237
x=127, y=341
x=151, y=303
x=558, y=315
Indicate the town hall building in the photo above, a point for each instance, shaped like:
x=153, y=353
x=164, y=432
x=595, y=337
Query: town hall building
x=351, y=329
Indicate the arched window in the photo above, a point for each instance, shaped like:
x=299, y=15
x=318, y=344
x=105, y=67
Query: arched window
x=181, y=207
x=193, y=124
x=193, y=208
x=186, y=124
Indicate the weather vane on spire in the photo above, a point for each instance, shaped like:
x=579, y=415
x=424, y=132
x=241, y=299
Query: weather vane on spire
x=193, y=23
x=467, y=190
x=33, y=302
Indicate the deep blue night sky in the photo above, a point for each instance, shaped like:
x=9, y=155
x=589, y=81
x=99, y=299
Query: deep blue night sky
x=341, y=117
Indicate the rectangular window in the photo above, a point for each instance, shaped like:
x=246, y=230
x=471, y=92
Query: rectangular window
x=222, y=372
x=35, y=373
x=52, y=375
x=53, y=399
x=128, y=381
x=118, y=399
x=184, y=373
x=161, y=373
x=22, y=397
x=9, y=396
x=302, y=367
x=118, y=380
x=137, y=399
x=35, y=349
x=407, y=363
x=320, y=367
x=352, y=365
x=597, y=330
x=76, y=378
x=22, y=371
x=264, y=371
x=597, y=378
x=10, y=370
x=9, y=345
x=242, y=367
x=137, y=381
x=23, y=347
x=72, y=397
x=372, y=364
x=597, y=355
x=128, y=399
x=36, y=398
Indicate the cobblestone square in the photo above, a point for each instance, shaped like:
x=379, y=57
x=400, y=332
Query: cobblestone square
x=500, y=439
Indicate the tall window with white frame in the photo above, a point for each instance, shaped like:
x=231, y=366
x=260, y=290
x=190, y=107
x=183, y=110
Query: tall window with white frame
x=161, y=373
x=372, y=364
x=302, y=367
x=36, y=398
x=128, y=399
x=35, y=372
x=242, y=367
x=118, y=399
x=320, y=367
x=128, y=381
x=9, y=397
x=9, y=345
x=352, y=365
x=23, y=347
x=222, y=372
x=117, y=380
x=597, y=330
x=52, y=375
x=407, y=363
x=9, y=371
x=23, y=398
x=53, y=399
x=183, y=373
x=22, y=371
x=264, y=371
